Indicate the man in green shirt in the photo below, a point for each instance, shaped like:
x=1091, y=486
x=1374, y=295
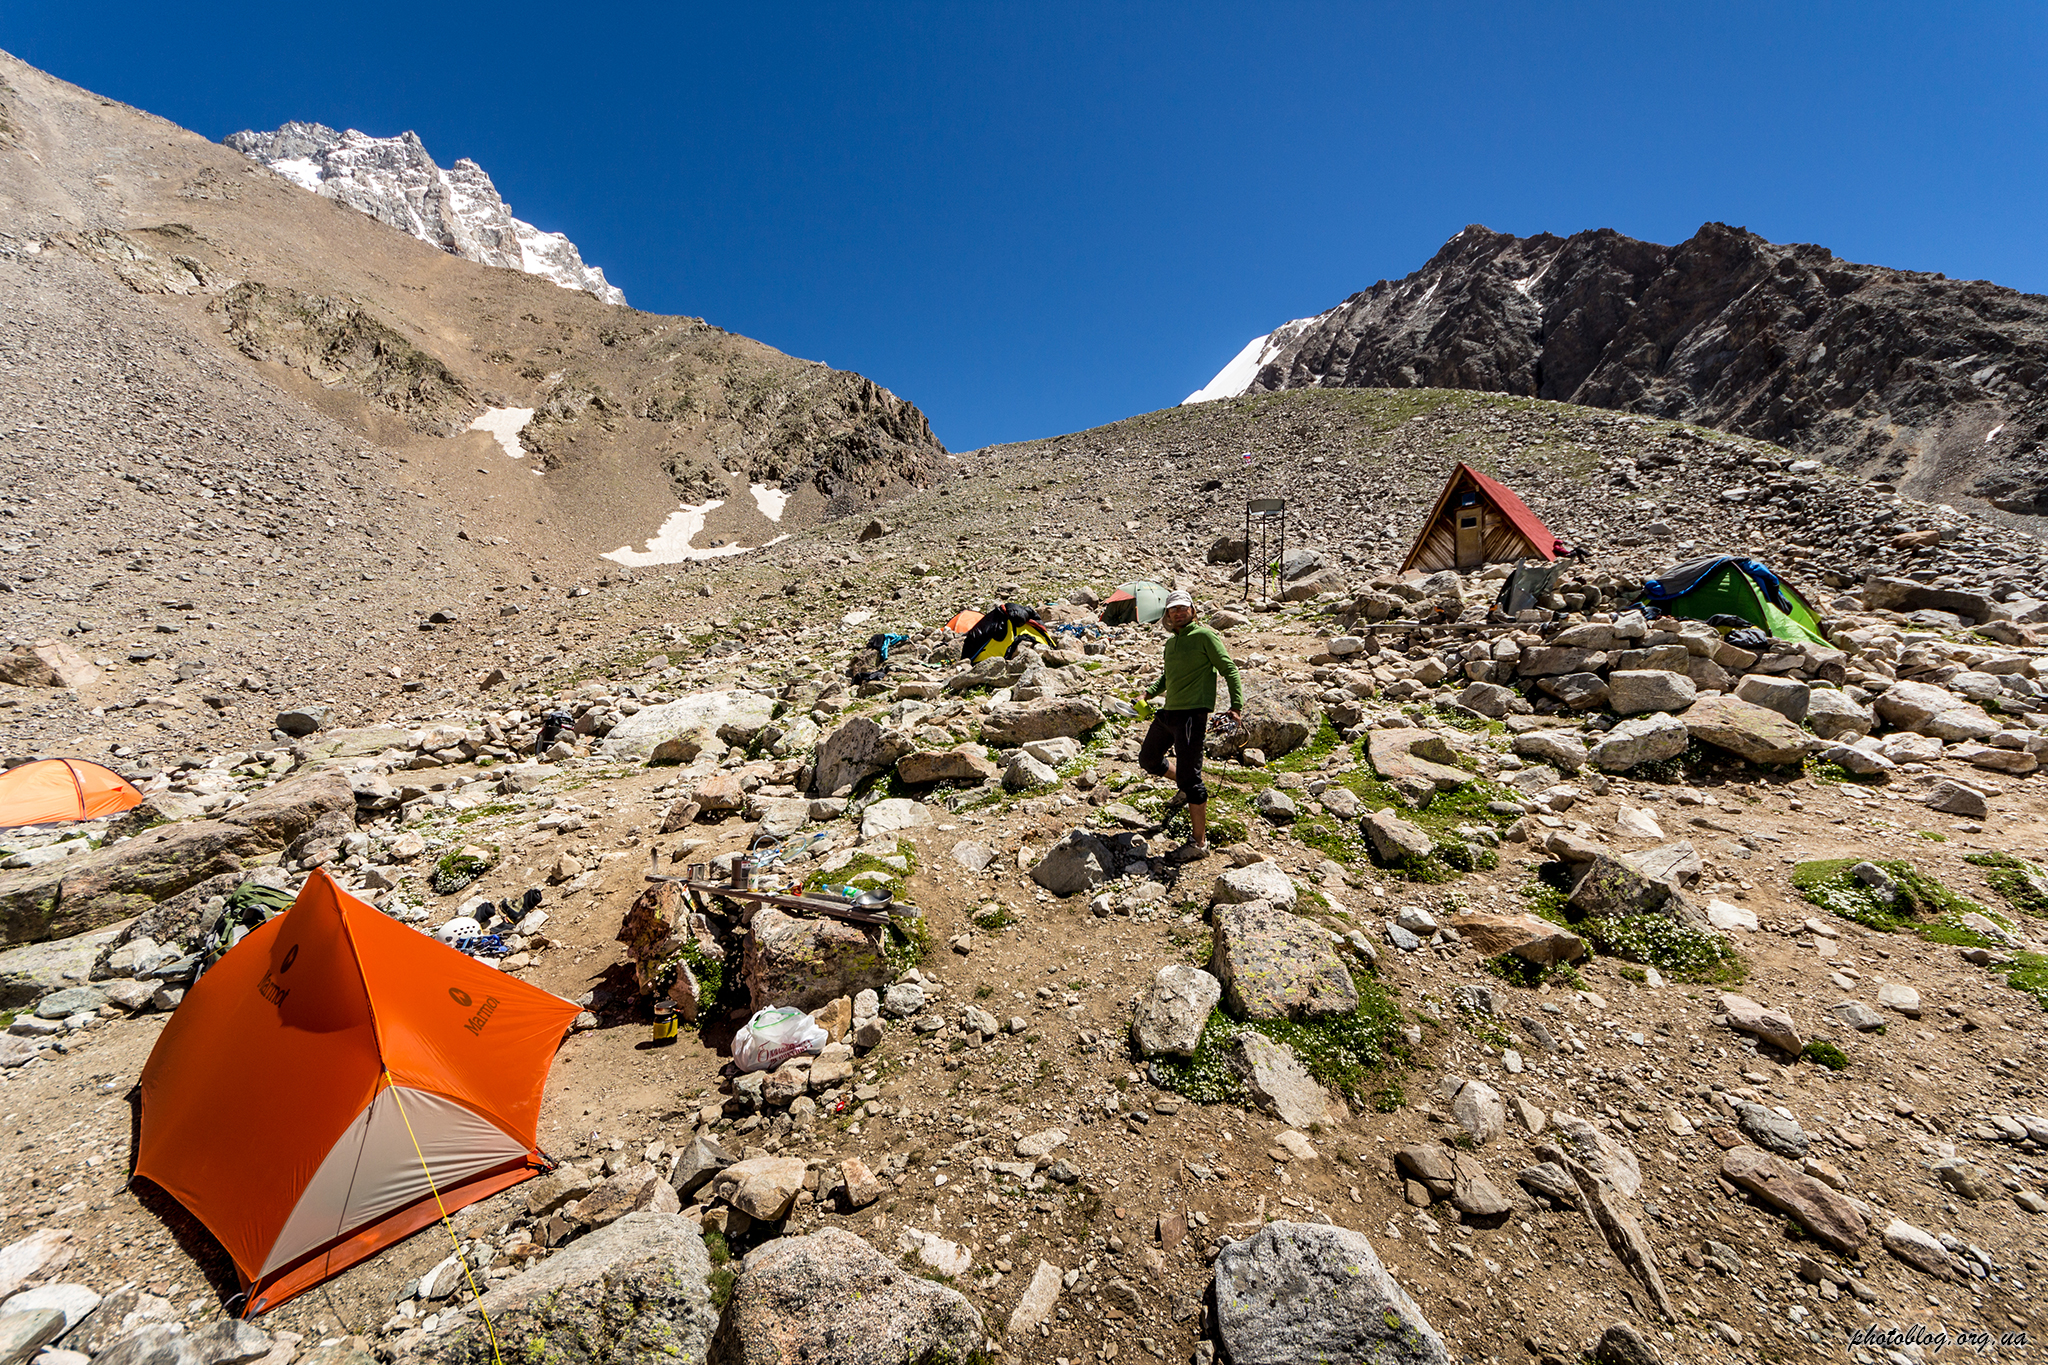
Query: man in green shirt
x=1194, y=656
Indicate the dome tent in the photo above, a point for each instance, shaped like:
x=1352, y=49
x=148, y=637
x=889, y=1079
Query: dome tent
x=337, y=1082
x=53, y=791
x=1143, y=602
x=1722, y=585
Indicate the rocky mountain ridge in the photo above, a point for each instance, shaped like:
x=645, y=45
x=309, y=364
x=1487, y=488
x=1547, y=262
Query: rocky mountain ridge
x=395, y=181
x=1938, y=385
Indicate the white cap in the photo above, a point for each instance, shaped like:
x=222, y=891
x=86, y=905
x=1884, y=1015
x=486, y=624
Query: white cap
x=1179, y=599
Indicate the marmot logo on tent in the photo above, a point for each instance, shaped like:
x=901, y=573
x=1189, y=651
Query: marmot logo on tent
x=291, y=955
x=459, y=996
x=475, y=1023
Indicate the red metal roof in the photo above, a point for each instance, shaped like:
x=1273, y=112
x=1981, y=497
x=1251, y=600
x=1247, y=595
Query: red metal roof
x=1513, y=508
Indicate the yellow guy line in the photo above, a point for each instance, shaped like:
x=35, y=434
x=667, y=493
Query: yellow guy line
x=392, y=1086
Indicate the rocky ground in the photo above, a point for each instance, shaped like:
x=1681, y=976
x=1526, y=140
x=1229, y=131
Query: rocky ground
x=993, y=1110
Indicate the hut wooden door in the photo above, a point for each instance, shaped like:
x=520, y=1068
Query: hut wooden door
x=1471, y=530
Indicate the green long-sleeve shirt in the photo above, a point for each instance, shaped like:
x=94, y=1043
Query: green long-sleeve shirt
x=1194, y=656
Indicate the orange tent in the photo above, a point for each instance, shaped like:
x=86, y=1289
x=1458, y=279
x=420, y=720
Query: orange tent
x=55, y=790
x=964, y=621
x=334, y=1082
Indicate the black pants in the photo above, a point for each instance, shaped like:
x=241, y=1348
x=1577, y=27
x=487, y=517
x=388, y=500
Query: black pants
x=1182, y=732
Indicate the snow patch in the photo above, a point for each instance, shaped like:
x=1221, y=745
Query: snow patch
x=671, y=544
x=770, y=499
x=1235, y=379
x=1992, y=434
x=505, y=424
x=302, y=171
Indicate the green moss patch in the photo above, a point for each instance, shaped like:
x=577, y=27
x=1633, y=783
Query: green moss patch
x=1311, y=754
x=2022, y=884
x=1679, y=950
x=1352, y=1054
x=1826, y=1054
x=1920, y=904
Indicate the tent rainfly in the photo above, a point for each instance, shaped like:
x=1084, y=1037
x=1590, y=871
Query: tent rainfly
x=55, y=791
x=337, y=1082
x=1478, y=521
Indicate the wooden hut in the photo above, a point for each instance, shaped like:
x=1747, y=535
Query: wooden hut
x=1478, y=521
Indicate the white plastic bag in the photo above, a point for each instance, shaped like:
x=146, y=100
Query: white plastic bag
x=775, y=1035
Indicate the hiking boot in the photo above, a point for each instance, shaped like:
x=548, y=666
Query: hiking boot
x=1189, y=852
x=1176, y=801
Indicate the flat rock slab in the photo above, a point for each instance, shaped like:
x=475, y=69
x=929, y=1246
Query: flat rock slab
x=1415, y=762
x=1529, y=937
x=1279, y=1084
x=682, y=731
x=1825, y=1213
x=1274, y=965
x=1753, y=732
x=829, y=1296
x=1297, y=1292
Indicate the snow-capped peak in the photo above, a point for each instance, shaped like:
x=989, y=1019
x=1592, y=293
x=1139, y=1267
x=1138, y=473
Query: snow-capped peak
x=1234, y=379
x=394, y=181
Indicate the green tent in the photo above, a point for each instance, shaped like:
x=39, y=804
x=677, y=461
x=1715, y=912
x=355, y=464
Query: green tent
x=1141, y=601
x=1722, y=585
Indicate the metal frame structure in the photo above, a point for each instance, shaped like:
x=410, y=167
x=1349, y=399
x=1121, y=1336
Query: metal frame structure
x=1270, y=517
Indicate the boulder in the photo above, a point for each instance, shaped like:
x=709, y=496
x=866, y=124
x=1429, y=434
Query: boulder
x=637, y=1189
x=34, y=1257
x=1579, y=691
x=1014, y=723
x=1488, y=699
x=1173, y=1010
x=693, y=727
x=1787, y=696
x=1613, y=888
x=1397, y=841
x=1479, y=1110
x=298, y=721
x=1830, y=1216
x=1772, y=1026
x=30, y=972
x=762, y=1188
x=1526, y=936
x=1953, y=798
x=1750, y=731
x=1911, y=705
x=1274, y=965
x=21, y=668
x=1296, y=1292
x=1279, y=1084
x=806, y=962
x=1644, y=739
x=635, y=1290
x=854, y=752
x=1261, y=881
x=1834, y=715
x=1771, y=1130
x=962, y=763
x=1078, y=862
x=1633, y=691
x=1272, y=725
x=1539, y=661
x=704, y=1158
x=1558, y=748
x=829, y=1296
x=1026, y=773
x=1882, y=593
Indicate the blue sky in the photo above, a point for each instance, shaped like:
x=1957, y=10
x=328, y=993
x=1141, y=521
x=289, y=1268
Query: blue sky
x=1030, y=219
